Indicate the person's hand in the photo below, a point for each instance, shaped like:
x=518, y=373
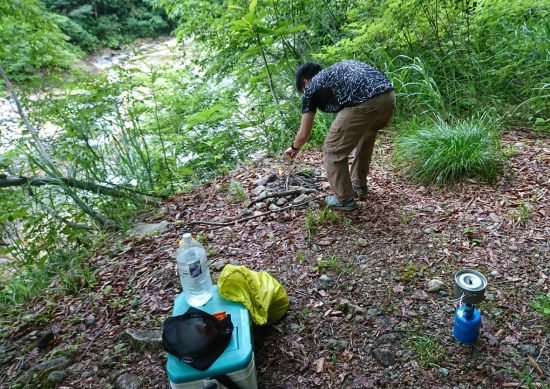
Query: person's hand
x=290, y=153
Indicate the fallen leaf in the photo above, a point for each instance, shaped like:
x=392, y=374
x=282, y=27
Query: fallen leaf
x=398, y=288
x=319, y=364
x=535, y=365
x=330, y=366
x=325, y=242
x=347, y=355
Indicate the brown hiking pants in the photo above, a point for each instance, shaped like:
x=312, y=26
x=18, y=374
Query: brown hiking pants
x=355, y=129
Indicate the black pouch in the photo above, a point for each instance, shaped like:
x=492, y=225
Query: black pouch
x=196, y=337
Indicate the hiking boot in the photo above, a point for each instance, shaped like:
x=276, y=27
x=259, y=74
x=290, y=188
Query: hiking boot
x=360, y=190
x=340, y=205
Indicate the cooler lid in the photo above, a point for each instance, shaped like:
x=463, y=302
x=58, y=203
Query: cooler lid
x=236, y=356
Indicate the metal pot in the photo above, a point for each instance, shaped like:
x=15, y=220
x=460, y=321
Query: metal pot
x=470, y=285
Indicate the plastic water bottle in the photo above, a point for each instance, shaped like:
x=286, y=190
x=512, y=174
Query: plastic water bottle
x=193, y=271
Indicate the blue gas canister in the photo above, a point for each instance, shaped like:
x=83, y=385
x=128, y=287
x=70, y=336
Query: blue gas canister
x=469, y=288
x=467, y=322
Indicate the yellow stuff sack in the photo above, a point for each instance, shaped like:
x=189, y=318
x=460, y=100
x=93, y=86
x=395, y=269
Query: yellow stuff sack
x=263, y=296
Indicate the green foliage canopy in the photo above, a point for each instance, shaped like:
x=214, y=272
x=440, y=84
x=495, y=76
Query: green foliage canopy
x=30, y=40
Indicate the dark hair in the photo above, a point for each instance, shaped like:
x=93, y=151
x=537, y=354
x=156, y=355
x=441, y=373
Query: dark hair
x=306, y=72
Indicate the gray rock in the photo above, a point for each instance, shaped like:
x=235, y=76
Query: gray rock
x=384, y=355
x=7, y=355
x=273, y=207
x=529, y=349
x=144, y=339
x=373, y=312
x=141, y=230
x=420, y=295
x=56, y=377
x=87, y=374
x=443, y=371
x=90, y=320
x=343, y=344
x=282, y=201
x=257, y=190
x=295, y=328
x=443, y=293
x=219, y=264
x=43, y=367
x=362, y=242
x=325, y=282
x=262, y=181
x=362, y=258
x=338, y=344
x=383, y=322
x=428, y=230
x=45, y=338
x=128, y=381
x=313, y=205
x=259, y=206
x=348, y=307
x=495, y=273
x=301, y=199
x=435, y=285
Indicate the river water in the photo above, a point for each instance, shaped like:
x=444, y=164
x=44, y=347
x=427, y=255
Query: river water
x=143, y=55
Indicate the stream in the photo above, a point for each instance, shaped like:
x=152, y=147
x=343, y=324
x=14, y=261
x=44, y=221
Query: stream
x=143, y=55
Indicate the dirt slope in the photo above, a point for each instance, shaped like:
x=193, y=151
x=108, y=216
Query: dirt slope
x=379, y=258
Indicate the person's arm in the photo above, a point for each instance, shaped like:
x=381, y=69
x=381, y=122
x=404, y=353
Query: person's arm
x=303, y=134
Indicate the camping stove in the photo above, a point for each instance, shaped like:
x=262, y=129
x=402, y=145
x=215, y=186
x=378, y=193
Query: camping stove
x=470, y=288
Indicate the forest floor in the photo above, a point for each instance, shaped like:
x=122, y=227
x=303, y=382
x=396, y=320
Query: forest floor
x=379, y=258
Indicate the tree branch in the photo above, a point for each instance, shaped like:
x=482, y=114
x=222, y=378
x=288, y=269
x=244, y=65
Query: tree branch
x=6, y=182
x=98, y=217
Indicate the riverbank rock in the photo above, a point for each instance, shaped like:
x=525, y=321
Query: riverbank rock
x=435, y=285
x=144, y=339
x=56, y=377
x=349, y=308
x=384, y=355
x=420, y=295
x=128, y=381
x=57, y=364
x=141, y=230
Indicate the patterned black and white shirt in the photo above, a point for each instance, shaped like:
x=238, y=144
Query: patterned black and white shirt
x=344, y=84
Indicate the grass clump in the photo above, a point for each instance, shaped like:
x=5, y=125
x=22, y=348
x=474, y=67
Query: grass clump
x=542, y=304
x=316, y=219
x=444, y=153
x=428, y=350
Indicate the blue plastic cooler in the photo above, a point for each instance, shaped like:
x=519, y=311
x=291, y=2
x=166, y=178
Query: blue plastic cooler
x=237, y=360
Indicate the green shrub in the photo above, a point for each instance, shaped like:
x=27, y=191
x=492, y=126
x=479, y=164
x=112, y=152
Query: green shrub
x=31, y=41
x=444, y=153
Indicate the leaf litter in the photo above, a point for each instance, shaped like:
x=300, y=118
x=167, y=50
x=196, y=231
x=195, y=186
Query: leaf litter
x=379, y=258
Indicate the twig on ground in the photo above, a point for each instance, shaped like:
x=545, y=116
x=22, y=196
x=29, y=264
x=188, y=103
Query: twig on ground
x=234, y=222
x=94, y=338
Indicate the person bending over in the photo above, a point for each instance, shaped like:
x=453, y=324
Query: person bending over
x=364, y=101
